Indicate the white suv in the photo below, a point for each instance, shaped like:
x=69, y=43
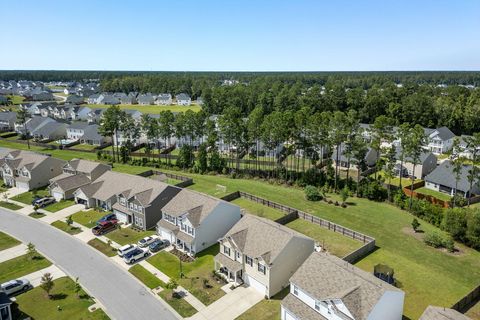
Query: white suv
x=135, y=255
x=122, y=251
x=15, y=286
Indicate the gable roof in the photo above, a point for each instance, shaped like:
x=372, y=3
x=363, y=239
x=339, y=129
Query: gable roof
x=19, y=158
x=443, y=133
x=443, y=175
x=423, y=156
x=326, y=277
x=182, y=96
x=261, y=238
x=71, y=182
x=85, y=166
x=8, y=116
x=440, y=313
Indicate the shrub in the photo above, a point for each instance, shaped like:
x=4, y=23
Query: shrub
x=415, y=224
x=312, y=193
x=434, y=239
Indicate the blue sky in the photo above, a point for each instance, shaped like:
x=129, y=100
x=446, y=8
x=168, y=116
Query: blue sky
x=261, y=35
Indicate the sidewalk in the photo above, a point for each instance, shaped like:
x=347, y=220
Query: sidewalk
x=61, y=214
x=13, y=252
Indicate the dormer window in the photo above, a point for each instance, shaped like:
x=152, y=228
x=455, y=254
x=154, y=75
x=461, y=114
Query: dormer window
x=261, y=268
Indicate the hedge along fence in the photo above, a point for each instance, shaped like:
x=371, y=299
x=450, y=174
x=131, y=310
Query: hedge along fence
x=292, y=214
x=467, y=301
x=185, y=181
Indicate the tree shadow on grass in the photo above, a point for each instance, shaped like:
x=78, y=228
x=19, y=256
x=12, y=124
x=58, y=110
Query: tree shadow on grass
x=58, y=296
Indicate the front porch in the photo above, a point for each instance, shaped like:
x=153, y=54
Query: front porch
x=228, y=269
x=184, y=243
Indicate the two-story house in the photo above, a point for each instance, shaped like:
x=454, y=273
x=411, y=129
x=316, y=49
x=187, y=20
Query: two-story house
x=193, y=221
x=29, y=170
x=145, y=99
x=164, y=99
x=183, y=99
x=328, y=288
x=439, y=140
x=349, y=162
x=7, y=120
x=427, y=162
x=134, y=199
x=79, y=113
x=76, y=173
x=95, y=115
x=262, y=254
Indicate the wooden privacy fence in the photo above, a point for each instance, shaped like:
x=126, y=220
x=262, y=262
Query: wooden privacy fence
x=292, y=214
x=185, y=181
x=468, y=301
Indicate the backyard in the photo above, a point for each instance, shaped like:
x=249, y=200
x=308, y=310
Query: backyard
x=433, y=193
x=195, y=273
x=64, y=305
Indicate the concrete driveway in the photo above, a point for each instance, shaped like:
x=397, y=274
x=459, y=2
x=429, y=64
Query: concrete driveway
x=122, y=295
x=61, y=214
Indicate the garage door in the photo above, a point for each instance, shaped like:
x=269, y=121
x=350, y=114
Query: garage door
x=57, y=195
x=122, y=217
x=23, y=186
x=165, y=235
x=255, y=284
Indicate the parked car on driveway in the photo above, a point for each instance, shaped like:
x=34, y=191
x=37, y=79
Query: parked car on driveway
x=108, y=217
x=42, y=202
x=145, y=242
x=135, y=255
x=158, y=245
x=15, y=286
x=104, y=227
x=125, y=249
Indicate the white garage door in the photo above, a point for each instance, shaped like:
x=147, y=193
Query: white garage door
x=122, y=217
x=165, y=235
x=57, y=195
x=23, y=186
x=255, y=284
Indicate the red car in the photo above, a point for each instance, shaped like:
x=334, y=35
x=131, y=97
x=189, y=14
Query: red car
x=104, y=227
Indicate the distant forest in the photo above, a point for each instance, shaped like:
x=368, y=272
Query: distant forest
x=419, y=99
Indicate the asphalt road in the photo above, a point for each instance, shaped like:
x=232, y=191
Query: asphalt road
x=122, y=295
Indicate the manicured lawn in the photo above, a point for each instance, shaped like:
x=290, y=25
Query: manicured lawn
x=83, y=146
x=88, y=218
x=36, y=305
x=436, y=194
x=146, y=277
x=37, y=215
x=21, y=266
x=57, y=206
x=195, y=272
x=180, y=305
x=7, y=242
x=335, y=243
x=266, y=309
x=27, y=197
x=125, y=236
x=103, y=247
x=10, y=205
x=151, y=108
x=65, y=227
x=258, y=209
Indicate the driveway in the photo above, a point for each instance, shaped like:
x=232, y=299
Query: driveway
x=61, y=214
x=122, y=295
x=13, y=252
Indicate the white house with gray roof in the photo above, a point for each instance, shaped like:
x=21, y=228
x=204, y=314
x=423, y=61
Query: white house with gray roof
x=164, y=99
x=145, y=99
x=442, y=179
x=439, y=140
x=328, y=288
x=7, y=120
x=262, y=254
x=193, y=221
x=183, y=99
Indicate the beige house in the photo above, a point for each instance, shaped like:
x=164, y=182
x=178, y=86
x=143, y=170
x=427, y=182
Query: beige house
x=328, y=288
x=441, y=313
x=28, y=170
x=262, y=254
x=426, y=164
x=76, y=173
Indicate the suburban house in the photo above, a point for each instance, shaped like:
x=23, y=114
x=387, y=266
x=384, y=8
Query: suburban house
x=50, y=131
x=126, y=98
x=193, y=221
x=134, y=199
x=464, y=148
x=33, y=124
x=95, y=115
x=327, y=287
x=86, y=133
x=29, y=170
x=262, y=254
x=5, y=307
x=7, y=120
x=427, y=163
x=443, y=179
x=439, y=140
x=41, y=96
x=92, y=99
x=76, y=173
x=145, y=99
x=183, y=99
x=78, y=113
x=164, y=99
x=74, y=99
x=344, y=162
x=441, y=313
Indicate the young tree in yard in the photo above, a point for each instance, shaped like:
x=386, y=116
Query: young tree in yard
x=22, y=116
x=47, y=284
x=415, y=224
x=172, y=285
x=31, y=251
x=69, y=221
x=344, y=194
x=77, y=288
x=473, y=146
x=457, y=166
x=415, y=143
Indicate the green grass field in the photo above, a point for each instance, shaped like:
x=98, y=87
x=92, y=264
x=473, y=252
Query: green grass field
x=125, y=236
x=433, y=193
x=10, y=205
x=183, y=308
x=64, y=305
x=36, y=215
x=154, y=109
x=16, y=99
x=84, y=146
x=21, y=266
x=65, y=227
x=88, y=218
x=7, y=242
x=146, y=277
x=104, y=248
x=57, y=206
x=427, y=275
x=27, y=197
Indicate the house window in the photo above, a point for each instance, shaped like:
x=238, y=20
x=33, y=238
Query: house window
x=190, y=231
x=122, y=201
x=139, y=221
x=226, y=250
x=261, y=268
x=295, y=292
x=249, y=261
x=317, y=305
x=237, y=254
